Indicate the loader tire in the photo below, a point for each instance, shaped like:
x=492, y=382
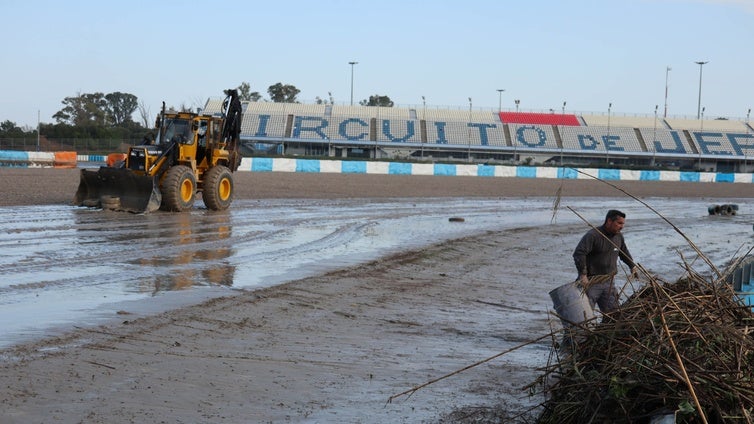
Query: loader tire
x=178, y=189
x=218, y=188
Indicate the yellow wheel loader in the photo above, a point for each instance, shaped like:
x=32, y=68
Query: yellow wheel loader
x=190, y=153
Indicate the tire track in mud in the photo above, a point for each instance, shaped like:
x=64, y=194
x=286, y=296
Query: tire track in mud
x=162, y=252
x=61, y=257
x=61, y=262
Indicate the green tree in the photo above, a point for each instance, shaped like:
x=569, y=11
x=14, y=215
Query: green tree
x=7, y=125
x=245, y=93
x=9, y=128
x=280, y=93
x=98, y=109
x=120, y=107
x=84, y=109
x=377, y=100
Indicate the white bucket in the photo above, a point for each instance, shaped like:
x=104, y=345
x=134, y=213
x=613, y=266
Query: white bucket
x=663, y=419
x=571, y=305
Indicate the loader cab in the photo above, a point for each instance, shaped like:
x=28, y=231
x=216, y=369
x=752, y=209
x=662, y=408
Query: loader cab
x=179, y=134
x=178, y=130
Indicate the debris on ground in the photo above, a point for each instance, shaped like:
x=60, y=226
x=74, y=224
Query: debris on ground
x=724, y=209
x=683, y=350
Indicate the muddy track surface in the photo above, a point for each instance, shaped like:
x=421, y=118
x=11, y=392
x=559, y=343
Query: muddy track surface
x=101, y=261
x=320, y=309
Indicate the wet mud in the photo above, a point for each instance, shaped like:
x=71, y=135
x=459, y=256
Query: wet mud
x=308, y=309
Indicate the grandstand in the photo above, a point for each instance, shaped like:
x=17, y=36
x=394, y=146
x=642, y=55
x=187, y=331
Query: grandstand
x=437, y=135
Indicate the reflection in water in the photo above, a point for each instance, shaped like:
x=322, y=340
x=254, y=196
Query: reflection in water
x=62, y=265
x=196, y=250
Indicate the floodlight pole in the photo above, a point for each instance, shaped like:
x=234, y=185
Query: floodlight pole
x=667, y=70
x=352, y=63
x=424, y=118
x=607, y=149
x=654, y=138
x=699, y=103
x=468, y=153
x=747, y=134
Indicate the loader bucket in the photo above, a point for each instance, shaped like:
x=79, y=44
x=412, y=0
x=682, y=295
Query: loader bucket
x=118, y=189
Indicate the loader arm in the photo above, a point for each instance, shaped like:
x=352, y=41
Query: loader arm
x=165, y=160
x=231, y=132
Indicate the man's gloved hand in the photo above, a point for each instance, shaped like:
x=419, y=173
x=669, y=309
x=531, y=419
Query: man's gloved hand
x=635, y=272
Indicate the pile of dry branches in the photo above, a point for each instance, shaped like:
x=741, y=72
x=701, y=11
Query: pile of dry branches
x=684, y=348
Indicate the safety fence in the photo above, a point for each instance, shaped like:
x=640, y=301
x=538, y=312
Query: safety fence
x=71, y=160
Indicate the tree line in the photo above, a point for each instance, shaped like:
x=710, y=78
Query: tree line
x=111, y=116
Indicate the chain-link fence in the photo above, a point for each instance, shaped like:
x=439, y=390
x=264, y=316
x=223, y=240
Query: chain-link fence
x=81, y=146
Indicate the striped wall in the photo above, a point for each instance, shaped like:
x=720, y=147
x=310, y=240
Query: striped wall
x=69, y=160
x=402, y=168
x=22, y=159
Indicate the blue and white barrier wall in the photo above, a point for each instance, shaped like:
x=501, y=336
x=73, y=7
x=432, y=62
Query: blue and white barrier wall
x=21, y=159
x=63, y=159
x=404, y=168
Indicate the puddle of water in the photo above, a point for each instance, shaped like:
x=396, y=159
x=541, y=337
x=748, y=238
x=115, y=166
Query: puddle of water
x=61, y=265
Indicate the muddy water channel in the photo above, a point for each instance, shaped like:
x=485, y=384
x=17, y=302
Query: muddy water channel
x=63, y=266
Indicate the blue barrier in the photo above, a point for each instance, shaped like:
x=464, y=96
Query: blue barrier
x=307, y=165
x=13, y=156
x=649, y=176
x=22, y=159
x=440, y=169
x=446, y=169
x=349, y=167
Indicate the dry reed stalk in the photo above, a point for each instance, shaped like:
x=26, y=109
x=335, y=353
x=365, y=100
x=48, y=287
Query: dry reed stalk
x=684, y=348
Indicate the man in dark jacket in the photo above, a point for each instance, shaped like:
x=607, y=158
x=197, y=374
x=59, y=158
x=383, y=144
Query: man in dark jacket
x=596, y=258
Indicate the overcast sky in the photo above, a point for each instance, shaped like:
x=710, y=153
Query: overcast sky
x=587, y=53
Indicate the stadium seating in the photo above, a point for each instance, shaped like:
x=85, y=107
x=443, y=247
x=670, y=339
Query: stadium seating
x=619, y=139
x=663, y=140
x=623, y=121
x=465, y=133
x=723, y=144
x=533, y=136
x=448, y=115
x=398, y=131
x=706, y=124
x=261, y=126
x=539, y=118
x=454, y=129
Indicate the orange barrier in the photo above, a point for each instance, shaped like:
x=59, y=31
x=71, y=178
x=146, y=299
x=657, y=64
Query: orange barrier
x=65, y=160
x=112, y=158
